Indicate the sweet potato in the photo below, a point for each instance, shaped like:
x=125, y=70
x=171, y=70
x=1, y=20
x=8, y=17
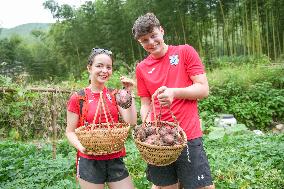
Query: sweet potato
x=168, y=139
x=123, y=98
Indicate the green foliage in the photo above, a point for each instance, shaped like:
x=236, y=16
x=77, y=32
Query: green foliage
x=256, y=107
x=235, y=61
x=44, y=61
x=238, y=91
x=31, y=166
x=237, y=161
x=14, y=134
x=12, y=56
x=247, y=161
x=246, y=75
x=114, y=81
x=64, y=148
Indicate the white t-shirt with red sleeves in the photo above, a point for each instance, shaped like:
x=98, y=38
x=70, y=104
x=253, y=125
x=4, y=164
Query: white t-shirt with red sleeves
x=92, y=100
x=173, y=70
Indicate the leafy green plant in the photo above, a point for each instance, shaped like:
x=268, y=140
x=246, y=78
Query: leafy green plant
x=239, y=160
x=238, y=92
x=31, y=166
x=247, y=161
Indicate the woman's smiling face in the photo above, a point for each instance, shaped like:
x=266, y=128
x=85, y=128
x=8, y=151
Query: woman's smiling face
x=101, y=68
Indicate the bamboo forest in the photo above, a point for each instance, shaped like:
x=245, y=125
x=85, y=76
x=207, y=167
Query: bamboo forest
x=215, y=28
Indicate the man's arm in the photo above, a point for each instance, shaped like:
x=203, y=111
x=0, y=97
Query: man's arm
x=198, y=90
x=145, y=106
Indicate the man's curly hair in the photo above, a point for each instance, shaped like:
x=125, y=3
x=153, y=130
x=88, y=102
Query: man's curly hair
x=145, y=24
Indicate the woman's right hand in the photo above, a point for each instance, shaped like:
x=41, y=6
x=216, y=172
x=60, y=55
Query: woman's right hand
x=127, y=83
x=82, y=149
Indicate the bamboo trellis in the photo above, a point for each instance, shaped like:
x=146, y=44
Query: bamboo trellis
x=54, y=113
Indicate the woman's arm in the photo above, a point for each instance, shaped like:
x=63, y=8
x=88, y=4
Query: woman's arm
x=129, y=115
x=72, y=121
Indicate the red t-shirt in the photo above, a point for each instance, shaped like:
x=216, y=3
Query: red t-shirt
x=174, y=71
x=92, y=99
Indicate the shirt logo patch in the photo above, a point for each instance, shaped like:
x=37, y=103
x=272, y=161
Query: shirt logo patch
x=109, y=97
x=151, y=70
x=174, y=60
x=90, y=101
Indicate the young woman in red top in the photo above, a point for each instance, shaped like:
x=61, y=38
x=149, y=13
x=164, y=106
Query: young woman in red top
x=93, y=171
x=175, y=76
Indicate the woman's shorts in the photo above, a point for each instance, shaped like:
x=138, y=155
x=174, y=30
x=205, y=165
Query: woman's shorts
x=191, y=168
x=101, y=171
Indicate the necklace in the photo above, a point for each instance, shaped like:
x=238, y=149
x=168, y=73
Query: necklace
x=93, y=92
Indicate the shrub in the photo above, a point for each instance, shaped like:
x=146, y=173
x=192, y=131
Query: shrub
x=255, y=99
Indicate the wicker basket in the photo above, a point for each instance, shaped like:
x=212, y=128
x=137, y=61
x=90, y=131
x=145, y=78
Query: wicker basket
x=103, y=138
x=160, y=155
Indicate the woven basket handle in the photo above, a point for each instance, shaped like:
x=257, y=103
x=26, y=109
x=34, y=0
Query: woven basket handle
x=148, y=112
x=171, y=112
x=108, y=111
x=152, y=106
x=101, y=103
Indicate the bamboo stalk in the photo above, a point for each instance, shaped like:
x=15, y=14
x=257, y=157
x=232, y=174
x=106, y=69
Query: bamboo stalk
x=244, y=32
x=224, y=34
x=267, y=32
x=273, y=35
x=234, y=31
x=252, y=34
x=78, y=56
x=183, y=30
x=278, y=40
x=259, y=29
x=132, y=49
x=247, y=31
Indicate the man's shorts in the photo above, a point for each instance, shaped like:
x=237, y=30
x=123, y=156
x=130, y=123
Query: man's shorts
x=101, y=171
x=191, y=168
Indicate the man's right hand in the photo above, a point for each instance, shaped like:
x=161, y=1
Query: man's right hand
x=165, y=95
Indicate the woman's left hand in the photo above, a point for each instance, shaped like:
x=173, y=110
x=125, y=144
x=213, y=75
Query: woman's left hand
x=127, y=83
